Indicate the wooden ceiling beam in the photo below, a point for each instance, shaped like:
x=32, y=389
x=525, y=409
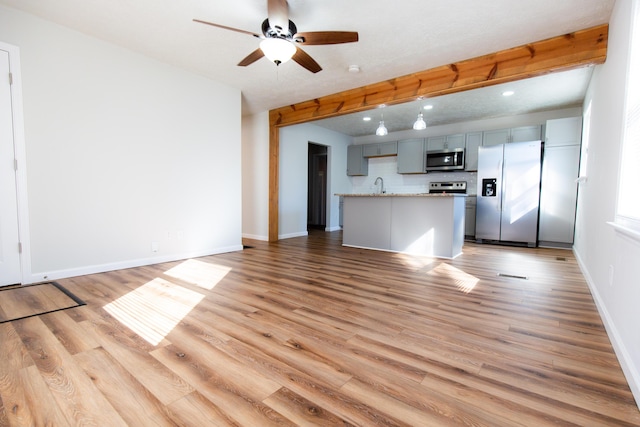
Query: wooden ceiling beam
x=569, y=51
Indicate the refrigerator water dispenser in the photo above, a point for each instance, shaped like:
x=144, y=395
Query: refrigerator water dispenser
x=489, y=187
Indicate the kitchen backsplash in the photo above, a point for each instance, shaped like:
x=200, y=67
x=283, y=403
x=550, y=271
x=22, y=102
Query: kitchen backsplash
x=386, y=167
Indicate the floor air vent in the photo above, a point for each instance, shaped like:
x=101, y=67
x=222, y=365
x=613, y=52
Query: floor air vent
x=513, y=276
x=560, y=258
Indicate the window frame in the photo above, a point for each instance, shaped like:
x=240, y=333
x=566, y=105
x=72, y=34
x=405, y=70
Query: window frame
x=627, y=216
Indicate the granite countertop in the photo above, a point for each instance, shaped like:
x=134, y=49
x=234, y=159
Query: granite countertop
x=402, y=195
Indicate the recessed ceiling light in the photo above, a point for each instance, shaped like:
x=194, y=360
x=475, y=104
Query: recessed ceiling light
x=354, y=69
x=428, y=107
x=508, y=93
x=366, y=119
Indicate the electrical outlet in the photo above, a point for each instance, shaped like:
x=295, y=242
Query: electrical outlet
x=610, y=275
x=154, y=246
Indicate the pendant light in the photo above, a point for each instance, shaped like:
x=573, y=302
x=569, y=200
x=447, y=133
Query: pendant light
x=382, y=130
x=420, y=124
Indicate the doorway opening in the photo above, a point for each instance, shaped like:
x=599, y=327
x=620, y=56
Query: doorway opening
x=317, y=187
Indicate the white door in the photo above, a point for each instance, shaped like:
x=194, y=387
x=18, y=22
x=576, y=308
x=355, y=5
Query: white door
x=9, y=236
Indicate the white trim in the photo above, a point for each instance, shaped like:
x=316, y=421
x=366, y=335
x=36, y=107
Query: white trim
x=392, y=251
x=21, y=158
x=626, y=161
x=336, y=228
x=626, y=231
x=93, y=269
x=290, y=235
x=255, y=237
x=626, y=362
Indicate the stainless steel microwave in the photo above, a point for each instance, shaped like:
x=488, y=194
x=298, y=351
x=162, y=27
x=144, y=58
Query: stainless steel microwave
x=445, y=160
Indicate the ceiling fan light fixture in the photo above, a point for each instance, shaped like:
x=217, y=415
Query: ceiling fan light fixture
x=382, y=130
x=420, y=124
x=277, y=50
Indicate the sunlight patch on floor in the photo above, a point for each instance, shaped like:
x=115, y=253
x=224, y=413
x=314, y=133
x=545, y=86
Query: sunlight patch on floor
x=154, y=309
x=414, y=261
x=464, y=282
x=203, y=274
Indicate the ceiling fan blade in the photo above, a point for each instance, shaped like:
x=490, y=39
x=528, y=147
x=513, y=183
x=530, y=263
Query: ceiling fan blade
x=303, y=58
x=251, y=58
x=278, y=15
x=326, y=37
x=228, y=28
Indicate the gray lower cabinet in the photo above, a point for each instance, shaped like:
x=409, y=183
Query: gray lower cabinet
x=357, y=164
x=427, y=225
x=411, y=156
x=470, y=217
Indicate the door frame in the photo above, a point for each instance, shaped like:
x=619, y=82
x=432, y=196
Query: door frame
x=21, y=161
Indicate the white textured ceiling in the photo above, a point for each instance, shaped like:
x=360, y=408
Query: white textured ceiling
x=547, y=92
x=396, y=38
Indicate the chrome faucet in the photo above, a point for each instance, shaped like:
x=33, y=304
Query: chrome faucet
x=381, y=184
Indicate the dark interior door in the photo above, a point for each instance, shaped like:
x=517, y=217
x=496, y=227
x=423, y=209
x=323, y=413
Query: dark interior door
x=317, y=187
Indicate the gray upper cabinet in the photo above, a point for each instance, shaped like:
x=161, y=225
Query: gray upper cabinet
x=473, y=142
x=357, y=164
x=504, y=136
x=495, y=137
x=381, y=149
x=567, y=131
x=370, y=150
x=526, y=133
x=446, y=142
x=411, y=156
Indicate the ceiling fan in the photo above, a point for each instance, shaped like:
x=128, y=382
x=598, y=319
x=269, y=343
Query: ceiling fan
x=280, y=38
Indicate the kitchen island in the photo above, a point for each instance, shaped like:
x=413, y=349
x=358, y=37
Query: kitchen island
x=417, y=224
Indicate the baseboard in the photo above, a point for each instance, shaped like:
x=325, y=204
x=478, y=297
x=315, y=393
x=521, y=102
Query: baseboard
x=290, y=235
x=554, y=245
x=336, y=228
x=255, y=237
x=624, y=358
x=102, y=268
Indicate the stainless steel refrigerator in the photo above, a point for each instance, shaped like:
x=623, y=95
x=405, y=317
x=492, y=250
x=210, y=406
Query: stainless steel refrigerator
x=508, y=195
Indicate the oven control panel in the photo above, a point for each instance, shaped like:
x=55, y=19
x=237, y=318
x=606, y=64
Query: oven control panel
x=448, y=187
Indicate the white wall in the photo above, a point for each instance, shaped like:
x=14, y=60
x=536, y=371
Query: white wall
x=608, y=259
x=294, y=142
x=121, y=151
x=255, y=176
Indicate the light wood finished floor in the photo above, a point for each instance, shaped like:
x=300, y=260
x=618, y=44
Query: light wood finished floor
x=306, y=332
x=23, y=301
